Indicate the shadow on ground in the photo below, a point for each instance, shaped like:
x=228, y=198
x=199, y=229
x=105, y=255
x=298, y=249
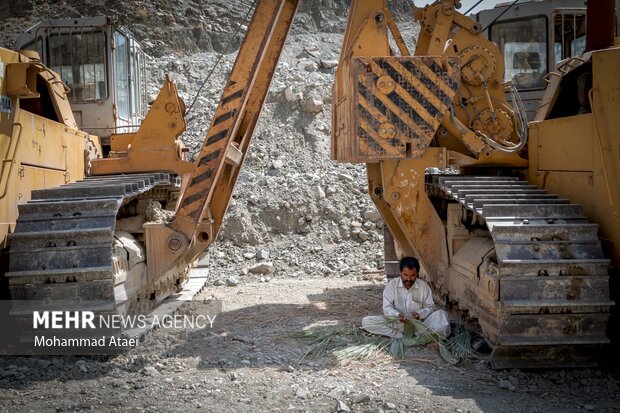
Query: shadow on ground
x=260, y=336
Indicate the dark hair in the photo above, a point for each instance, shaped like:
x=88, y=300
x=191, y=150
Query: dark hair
x=410, y=263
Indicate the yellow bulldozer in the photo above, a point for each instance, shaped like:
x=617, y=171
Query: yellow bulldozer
x=515, y=225
x=487, y=204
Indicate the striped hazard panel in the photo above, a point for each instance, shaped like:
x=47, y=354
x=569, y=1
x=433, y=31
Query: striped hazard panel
x=399, y=103
x=213, y=151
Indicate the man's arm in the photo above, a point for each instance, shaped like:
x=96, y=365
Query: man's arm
x=389, y=295
x=427, y=302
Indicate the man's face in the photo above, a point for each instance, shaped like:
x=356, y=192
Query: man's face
x=408, y=275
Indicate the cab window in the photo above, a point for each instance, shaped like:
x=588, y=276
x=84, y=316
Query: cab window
x=569, y=34
x=523, y=44
x=79, y=58
x=121, y=57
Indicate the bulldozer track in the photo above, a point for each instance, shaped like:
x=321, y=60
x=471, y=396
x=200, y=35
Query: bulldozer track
x=549, y=274
x=62, y=246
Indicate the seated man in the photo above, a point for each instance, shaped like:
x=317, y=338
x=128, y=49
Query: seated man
x=407, y=297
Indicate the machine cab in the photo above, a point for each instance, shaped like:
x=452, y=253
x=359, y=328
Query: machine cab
x=103, y=66
x=535, y=37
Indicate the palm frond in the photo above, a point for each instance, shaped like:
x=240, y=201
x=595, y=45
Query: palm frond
x=352, y=342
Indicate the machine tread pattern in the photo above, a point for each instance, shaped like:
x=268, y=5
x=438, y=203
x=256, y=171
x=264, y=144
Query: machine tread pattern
x=62, y=246
x=549, y=273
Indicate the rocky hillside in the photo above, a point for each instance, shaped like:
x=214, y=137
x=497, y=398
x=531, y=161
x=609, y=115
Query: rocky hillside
x=180, y=27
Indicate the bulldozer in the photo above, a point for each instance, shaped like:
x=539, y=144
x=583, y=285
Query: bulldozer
x=514, y=225
x=485, y=202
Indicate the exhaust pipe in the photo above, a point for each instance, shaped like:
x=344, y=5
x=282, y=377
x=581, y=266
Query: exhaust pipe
x=600, y=24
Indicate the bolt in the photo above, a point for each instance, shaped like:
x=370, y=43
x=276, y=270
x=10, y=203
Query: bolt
x=174, y=243
x=448, y=10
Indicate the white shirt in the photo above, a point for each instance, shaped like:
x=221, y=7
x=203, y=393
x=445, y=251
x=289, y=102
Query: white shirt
x=397, y=299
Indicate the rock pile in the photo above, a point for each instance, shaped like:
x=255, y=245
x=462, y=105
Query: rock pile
x=310, y=215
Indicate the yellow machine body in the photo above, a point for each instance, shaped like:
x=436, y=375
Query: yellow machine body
x=448, y=166
x=576, y=153
x=39, y=142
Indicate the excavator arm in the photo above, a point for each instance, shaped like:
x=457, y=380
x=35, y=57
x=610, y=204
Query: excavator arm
x=208, y=186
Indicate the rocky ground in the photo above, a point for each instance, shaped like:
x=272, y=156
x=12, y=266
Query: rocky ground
x=249, y=361
x=302, y=245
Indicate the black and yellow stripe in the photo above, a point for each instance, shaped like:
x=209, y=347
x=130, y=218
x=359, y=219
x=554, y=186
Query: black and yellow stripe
x=212, y=152
x=414, y=105
x=210, y=184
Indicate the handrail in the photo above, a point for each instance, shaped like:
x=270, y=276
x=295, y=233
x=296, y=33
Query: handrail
x=9, y=158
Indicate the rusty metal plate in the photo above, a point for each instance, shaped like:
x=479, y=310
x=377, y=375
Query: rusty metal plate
x=542, y=357
x=557, y=290
x=400, y=102
x=553, y=329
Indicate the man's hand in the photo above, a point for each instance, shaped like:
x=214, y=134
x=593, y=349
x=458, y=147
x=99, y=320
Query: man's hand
x=402, y=318
x=416, y=316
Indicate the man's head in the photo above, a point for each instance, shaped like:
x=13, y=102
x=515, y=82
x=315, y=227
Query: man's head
x=409, y=268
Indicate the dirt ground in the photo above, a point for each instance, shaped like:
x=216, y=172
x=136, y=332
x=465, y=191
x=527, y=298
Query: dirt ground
x=249, y=361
